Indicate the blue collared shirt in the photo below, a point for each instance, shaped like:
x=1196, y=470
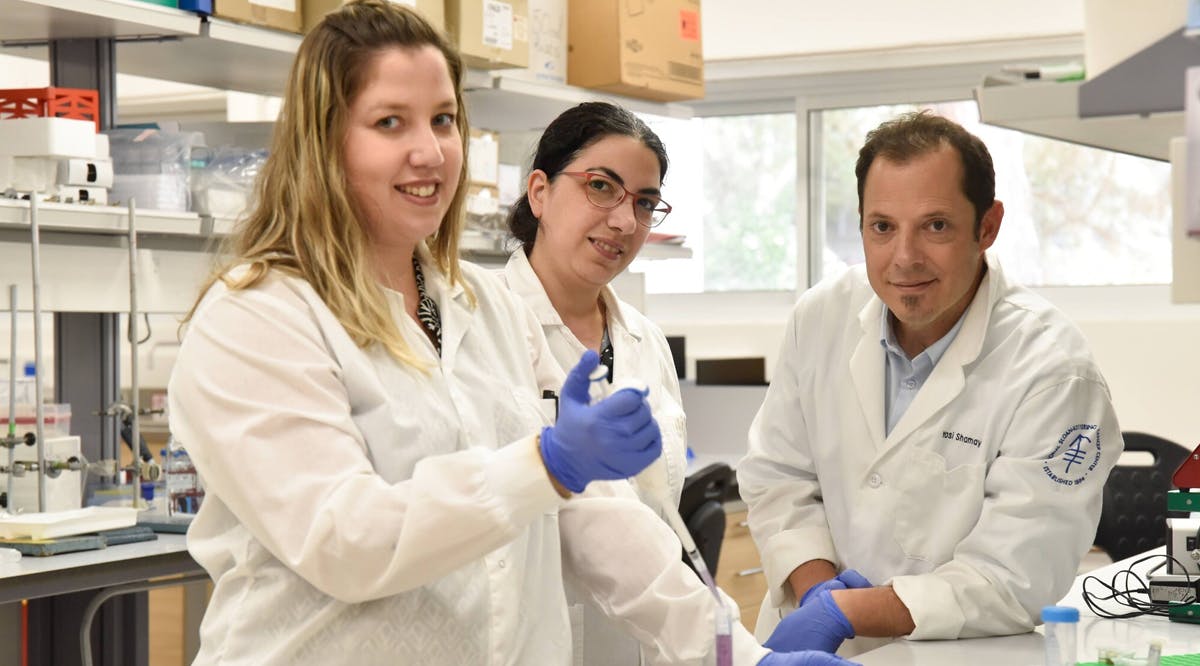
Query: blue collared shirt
x=904, y=376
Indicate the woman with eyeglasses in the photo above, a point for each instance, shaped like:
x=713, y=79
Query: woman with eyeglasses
x=592, y=195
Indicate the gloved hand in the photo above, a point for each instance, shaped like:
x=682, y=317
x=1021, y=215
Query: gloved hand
x=848, y=579
x=612, y=439
x=805, y=658
x=818, y=624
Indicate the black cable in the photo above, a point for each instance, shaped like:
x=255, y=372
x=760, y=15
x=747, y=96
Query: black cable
x=1128, y=595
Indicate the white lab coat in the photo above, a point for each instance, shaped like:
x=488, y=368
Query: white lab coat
x=363, y=512
x=640, y=351
x=965, y=507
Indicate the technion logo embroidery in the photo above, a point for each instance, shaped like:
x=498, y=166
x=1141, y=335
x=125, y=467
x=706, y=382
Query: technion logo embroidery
x=1075, y=456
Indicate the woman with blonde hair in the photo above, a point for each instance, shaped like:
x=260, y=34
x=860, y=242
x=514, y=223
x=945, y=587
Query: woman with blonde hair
x=383, y=482
x=365, y=410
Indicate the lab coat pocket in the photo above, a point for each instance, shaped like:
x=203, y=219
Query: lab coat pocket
x=931, y=518
x=518, y=413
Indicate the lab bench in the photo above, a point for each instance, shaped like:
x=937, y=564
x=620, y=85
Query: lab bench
x=1028, y=650
x=61, y=586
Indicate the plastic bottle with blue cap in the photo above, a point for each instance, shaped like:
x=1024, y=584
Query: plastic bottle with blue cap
x=1061, y=625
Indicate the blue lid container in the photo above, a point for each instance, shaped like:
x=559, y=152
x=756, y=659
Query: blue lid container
x=198, y=6
x=1060, y=614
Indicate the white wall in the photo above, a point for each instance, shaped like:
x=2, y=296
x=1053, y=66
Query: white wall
x=773, y=28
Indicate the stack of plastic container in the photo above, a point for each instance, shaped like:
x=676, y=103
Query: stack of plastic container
x=49, y=144
x=154, y=166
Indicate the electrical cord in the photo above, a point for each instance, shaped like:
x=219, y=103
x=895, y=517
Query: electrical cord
x=129, y=330
x=1127, y=588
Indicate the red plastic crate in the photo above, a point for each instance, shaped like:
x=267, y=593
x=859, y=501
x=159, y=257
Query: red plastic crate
x=78, y=103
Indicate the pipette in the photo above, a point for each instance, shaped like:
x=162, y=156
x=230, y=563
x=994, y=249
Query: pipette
x=652, y=481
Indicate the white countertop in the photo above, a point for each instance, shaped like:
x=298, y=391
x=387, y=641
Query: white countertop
x=35, y=577
x=1027, y=649
x=165, y=544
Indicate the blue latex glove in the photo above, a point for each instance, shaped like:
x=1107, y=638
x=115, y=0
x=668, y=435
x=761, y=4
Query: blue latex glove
x=848, y=579
x=816, y=625
x=613, y=439
x=805, y=658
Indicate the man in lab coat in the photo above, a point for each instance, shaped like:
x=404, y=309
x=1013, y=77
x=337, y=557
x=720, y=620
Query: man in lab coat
x=931, y=427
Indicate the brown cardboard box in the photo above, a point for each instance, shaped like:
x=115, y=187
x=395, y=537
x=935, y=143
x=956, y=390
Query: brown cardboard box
x=641, y=48
x=490, y=34
x=432, y=10
x=268, y=13
x=547, y=43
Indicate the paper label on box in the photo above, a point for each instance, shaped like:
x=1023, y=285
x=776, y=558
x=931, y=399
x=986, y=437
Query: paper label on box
x=689, y=25
x=406, y=3
x=520, y=29
x=498, y=24
x=281, y=5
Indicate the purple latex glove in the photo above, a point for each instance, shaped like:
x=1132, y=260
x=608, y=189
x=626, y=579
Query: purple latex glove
x=805, y=658
x=818, y=624
x=848, y=579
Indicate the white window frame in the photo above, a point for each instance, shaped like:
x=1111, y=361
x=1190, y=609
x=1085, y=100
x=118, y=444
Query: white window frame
x=830, y=81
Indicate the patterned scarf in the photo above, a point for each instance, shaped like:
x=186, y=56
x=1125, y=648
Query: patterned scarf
x=427, y=310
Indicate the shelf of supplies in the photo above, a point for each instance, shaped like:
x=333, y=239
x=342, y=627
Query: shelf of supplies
x=175, y=45
x=98, y=219
x=28, y=21
x=1051, y=109
x=504, y=102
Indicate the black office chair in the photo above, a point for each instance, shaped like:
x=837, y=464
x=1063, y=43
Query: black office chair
x=1133, y=519
x=702, y=507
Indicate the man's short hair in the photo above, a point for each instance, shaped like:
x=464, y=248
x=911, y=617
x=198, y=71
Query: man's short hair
x=920, y=132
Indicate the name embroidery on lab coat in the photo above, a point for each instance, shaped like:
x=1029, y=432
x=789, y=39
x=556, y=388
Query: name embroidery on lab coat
x=959, y=437
x=1075, y=455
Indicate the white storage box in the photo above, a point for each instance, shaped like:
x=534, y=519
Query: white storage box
x=34, y=174
x=85, y=195
x=47, y=137
x=88, y=173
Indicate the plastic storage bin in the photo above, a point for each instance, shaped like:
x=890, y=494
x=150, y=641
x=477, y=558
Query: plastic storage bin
x=51, y=102
x=152, y=165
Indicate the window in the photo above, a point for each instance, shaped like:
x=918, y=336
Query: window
x=732, y=182
x=1073, y=215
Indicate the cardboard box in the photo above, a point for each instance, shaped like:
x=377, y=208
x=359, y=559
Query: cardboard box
x=431, y=10
x=547, y=43
x=490, y=34
x=641, y=48
x=278, y=14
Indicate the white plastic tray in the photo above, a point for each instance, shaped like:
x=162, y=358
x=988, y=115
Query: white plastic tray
x=64, y=523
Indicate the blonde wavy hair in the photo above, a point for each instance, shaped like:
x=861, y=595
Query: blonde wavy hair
x=303, y=221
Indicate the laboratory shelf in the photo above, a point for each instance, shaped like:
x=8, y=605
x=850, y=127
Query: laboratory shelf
x=1051, y=109
x=505, y=102
x=217, y=226
x=27, y=21
x=98, y=219
x=664, y=251
x=176, y=45
x=226, y=55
